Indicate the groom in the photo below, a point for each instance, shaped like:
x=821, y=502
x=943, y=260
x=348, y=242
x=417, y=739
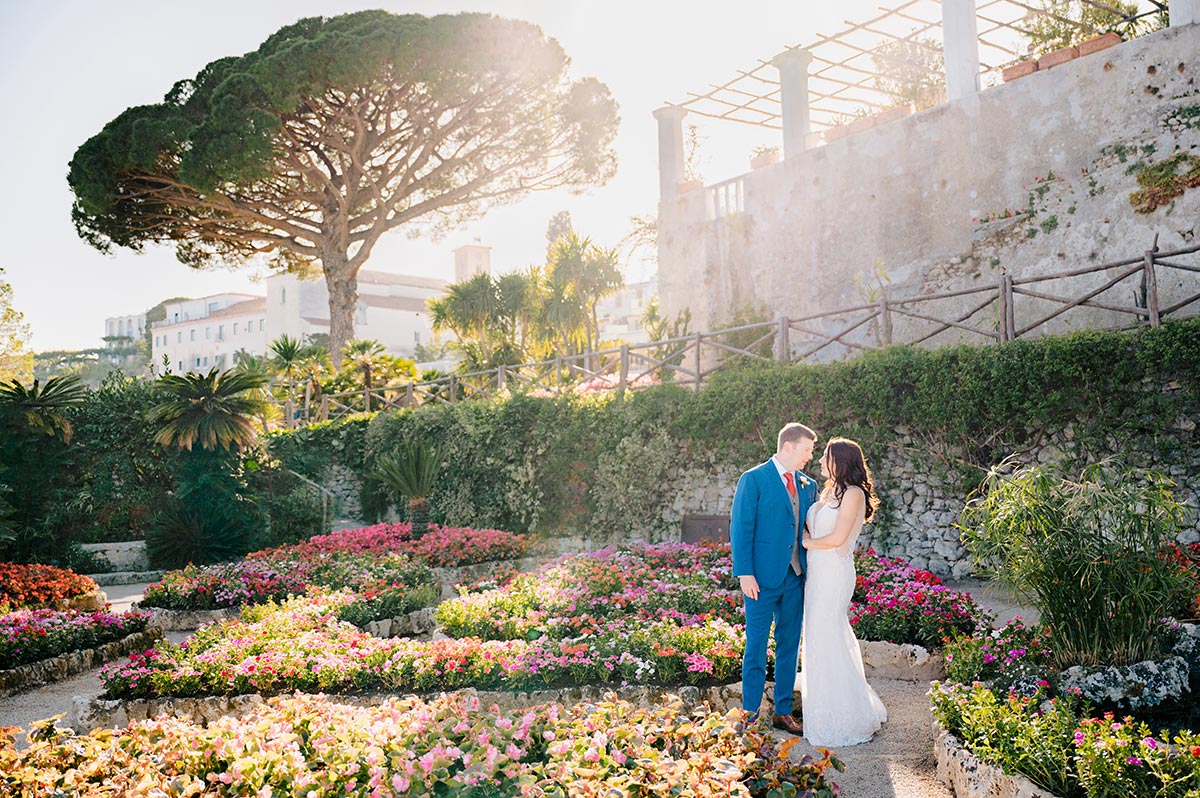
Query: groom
x=768, y=518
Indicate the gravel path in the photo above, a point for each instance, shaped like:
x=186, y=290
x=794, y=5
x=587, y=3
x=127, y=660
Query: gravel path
x=897, y=763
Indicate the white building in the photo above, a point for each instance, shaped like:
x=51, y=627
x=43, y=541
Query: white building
x=471, y=260
x=200, y=334
x=391, y=308
x=620, y=315
x=132, y=327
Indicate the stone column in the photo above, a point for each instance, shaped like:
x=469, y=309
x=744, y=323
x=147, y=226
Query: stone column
x=960, y=39
x=1184, y=12
x=670, y=151
x=793, y=96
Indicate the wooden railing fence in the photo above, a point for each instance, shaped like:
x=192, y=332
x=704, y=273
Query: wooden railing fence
x=828, y=335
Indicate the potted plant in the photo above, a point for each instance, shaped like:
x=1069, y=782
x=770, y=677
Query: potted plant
x=764, y=155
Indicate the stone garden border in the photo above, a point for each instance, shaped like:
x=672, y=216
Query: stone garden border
x=85, y=602
x=968, y=776
x=903, y=661
x=86, y=715
x=54, y=669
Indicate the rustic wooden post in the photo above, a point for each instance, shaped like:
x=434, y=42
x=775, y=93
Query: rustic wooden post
x=289, y=411
x=366, y=399
x=453, y=388
x=558, y=374
x=699, y=337
x=307, y=402
x=409, y=395
x=324, y=408
x=623, y=375
x=783, y=347
x=501, y=377
x=1151, y=281
x=1002, y=306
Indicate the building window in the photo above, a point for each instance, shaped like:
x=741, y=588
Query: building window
x=193, y=335
x=235, y=328
x=197, y=361
x=179, y=337
x=262, y=324
x=207, y=333
x=220, y=332
x=181, y=365
x=283, y=296
x=212, y=307
x=206, y=361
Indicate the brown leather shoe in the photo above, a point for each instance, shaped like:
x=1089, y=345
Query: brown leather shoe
x=787, y=723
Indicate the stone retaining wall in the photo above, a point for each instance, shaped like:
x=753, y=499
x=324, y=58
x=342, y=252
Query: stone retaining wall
x=967, y=776
x=55, y=669
x=127, y=555
x=187, y=620
x=906, y=662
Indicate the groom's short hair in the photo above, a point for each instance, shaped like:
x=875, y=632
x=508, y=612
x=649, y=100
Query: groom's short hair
x=794, y=432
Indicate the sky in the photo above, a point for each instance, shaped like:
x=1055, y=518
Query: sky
x=67, y=68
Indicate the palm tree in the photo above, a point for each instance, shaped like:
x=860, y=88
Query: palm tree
x=41, y=408
x=365, y=355
x=287, y=354
x=216, y=410
x=410, y=473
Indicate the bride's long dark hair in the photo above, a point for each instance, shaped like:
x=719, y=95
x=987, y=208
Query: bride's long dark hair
x=850, y=468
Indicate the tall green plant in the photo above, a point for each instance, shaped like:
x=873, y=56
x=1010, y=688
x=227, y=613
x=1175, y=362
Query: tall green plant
x=1088, y=552
x=411, y=474
x=212, y=409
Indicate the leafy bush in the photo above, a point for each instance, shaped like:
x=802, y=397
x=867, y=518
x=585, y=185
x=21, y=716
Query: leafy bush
x=572, y=464
x=296, y=513
x=1000, y=658
x=1091, y=554
x=179, y=536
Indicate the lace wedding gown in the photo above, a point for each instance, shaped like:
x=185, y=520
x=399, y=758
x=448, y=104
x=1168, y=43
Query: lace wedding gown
x=839, y=707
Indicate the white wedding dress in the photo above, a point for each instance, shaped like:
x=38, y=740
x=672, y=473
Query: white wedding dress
x=839, y=707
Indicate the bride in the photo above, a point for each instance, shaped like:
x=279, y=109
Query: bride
x=839, y=707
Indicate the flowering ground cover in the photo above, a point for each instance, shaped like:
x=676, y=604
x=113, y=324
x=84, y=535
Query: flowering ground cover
x=666, y=614
x=440, y=547
x=23, y=585
x=264, y=579
x=312, y=746
x=31, y=635
x=371, y=560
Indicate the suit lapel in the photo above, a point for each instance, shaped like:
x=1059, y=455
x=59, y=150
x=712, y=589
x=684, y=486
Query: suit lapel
x=780, y=487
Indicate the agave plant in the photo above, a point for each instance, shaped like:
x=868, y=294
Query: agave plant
x=215, y=409
x=411, y=473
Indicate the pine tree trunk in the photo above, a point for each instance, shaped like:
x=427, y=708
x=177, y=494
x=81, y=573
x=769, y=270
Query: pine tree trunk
x=342, y=282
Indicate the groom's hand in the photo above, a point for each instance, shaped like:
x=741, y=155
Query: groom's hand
x=749, y=586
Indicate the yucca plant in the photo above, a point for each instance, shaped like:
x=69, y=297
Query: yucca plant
x=411, y=473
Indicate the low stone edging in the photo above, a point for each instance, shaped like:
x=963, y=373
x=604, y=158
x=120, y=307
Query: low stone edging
x=906, y=662
x=85, y=602
x=86, y=715
x=125, y=577
x=415, y=624
x=968, y=776
x=450, y=576
x=187, y=620
x=57, y=668
x=126, y=555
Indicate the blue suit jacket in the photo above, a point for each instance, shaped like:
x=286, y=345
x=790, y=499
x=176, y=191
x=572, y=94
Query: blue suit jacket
x=762, y=530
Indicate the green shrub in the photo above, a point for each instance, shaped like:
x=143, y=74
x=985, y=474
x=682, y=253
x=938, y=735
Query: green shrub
x=1090, y=553
x=179, y=535
x=296, y=513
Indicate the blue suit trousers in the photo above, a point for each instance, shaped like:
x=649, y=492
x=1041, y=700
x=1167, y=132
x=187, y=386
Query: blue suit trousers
x=784, y=606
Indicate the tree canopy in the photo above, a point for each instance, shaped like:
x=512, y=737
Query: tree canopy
x=337, y=130
x=16, y=359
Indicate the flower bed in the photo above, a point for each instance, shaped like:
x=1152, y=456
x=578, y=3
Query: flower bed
x=368, y=559
x=388, y=579
x=25, y=585
x=312, y=746
x=28, y=636
x=440, y=547
x=1013, y=711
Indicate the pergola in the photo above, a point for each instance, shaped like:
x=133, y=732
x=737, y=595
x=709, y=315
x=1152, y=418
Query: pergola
x=810, y=87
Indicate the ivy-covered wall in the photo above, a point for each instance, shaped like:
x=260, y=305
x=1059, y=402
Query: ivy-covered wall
x=931, y=422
